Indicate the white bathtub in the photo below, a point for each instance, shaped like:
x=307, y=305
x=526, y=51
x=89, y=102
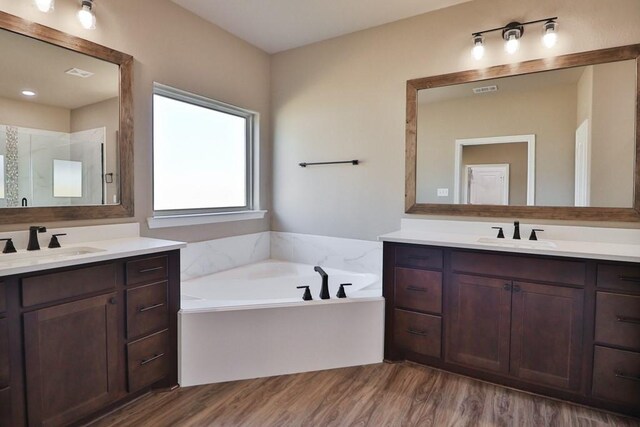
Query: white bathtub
x=251, y=322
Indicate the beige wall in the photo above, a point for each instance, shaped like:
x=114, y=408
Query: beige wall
x=107, y=114
x=515, y=155
x=32, y=115
x=549, y=114
x=339, y=99
x=174, y=47
x=613, y=134
x=345, y=98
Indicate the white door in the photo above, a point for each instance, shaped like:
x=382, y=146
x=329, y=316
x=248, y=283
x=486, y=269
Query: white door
x=487, y=184
x=583, y=165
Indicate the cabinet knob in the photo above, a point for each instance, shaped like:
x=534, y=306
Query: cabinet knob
x=113, y=301
x=516, y=288
x=507, y=287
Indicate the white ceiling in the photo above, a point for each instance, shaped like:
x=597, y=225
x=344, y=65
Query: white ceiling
x=277, y=25
x=35, y=65
x=523, y=83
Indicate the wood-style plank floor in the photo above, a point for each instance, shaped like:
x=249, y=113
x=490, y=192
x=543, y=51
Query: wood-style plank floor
x=402, y=394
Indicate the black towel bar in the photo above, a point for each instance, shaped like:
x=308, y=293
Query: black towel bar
x=353, y=162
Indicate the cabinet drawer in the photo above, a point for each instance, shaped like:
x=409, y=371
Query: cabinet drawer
x=3, y=298
x=419, y=333
x=147, y=309
x=147, y=270
x=4, y=353
x=618, y=320
x=148, y=360
x=419, y=290
x=620, y=277
x=616, y=375
x=67, y=284
x=5, y=407
x=520, y=267
x=419, y=257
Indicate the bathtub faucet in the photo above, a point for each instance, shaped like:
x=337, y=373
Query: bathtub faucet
x=324, y=292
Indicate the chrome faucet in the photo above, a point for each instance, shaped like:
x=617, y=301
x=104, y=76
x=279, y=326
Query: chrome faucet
x=324, y=292
x=516, y=230
x=33, y=237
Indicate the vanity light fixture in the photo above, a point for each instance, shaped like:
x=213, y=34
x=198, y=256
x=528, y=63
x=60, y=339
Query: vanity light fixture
x=511, y=35
x=550, y=33
x=86, y=16
x=513, y=32
x=478, y=46
x=44, y=5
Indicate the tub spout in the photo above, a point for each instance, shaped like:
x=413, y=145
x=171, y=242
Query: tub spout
x=324, y=292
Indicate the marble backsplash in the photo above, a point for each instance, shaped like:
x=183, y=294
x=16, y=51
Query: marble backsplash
x=202, y=258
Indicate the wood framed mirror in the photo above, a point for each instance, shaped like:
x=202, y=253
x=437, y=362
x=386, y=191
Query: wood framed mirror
x=553, y=138
x=66, y=126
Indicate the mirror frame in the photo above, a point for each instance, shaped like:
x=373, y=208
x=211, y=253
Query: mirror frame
x=125, y=209
x=622, y=53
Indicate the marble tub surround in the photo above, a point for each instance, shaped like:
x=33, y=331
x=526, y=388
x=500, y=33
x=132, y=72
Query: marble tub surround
x=361, y=256
x=203, y=258
x=124, y=241
x=578, y=242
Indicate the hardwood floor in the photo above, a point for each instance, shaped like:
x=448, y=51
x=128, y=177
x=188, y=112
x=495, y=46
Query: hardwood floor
x=401, y=394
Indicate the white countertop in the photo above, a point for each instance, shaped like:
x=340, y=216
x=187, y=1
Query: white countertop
x=612, y=251
x=107, y=250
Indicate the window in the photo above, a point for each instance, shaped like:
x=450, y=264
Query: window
x=202, y=155
x=67, y=178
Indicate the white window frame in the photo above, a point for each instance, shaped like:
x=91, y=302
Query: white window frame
x=178, y=217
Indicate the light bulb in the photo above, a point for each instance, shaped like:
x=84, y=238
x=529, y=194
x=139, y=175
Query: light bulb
x=44, y=5
x=512, y=45
x=478, y=51
x=478, y=47
x=86, y=16
x=28, y=93
x=550, y=36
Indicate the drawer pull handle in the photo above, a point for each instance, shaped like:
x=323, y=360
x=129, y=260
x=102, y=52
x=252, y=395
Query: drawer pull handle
x=626, y=319
x=418, y=257
x=629, y=279
x=149, y=270
x=414, y=332
x=151, y=359
x=622, y=375
x=151, y=307
x=416, y=289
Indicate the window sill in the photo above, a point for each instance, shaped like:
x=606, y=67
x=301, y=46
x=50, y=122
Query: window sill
x=186, y=220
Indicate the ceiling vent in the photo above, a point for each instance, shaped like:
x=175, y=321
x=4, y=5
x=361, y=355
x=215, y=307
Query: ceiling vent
x=77, y=72
x=485, y=89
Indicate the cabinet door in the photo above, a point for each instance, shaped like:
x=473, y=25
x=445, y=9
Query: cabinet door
x=479, y=322
x=71, y=360
x=5, y=391
x=546, y=334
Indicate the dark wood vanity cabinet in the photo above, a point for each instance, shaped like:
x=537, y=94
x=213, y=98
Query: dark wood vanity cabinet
x=6, y=417
x=79, y=332
x=564, y=327
x=71, y=359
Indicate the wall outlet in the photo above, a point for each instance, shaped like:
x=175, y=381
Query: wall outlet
x=443, y=192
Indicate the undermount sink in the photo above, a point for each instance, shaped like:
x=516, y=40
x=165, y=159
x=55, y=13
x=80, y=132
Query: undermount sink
x=44, y=255
x=532, y=244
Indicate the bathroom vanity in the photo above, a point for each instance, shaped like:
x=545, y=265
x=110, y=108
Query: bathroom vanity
x=83, y=334
x=559, y=325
